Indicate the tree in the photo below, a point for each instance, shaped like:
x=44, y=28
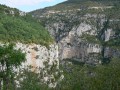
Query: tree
x=10, y=59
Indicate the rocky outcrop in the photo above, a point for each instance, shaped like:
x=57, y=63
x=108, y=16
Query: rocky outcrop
x=69, y=26
x=36, y=55
x=42, y=60
x=69, y=36
x=73, y=47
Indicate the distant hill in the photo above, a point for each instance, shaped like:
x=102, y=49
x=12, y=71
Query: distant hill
x=73, y=4
x=84, y=5
x=17, y=26
x=63, y=17
x=79, y=7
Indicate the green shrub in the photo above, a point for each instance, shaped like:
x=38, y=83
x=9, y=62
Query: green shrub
x=23, y=29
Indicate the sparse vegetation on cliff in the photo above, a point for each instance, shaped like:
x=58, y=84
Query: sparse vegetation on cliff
x=67, y=22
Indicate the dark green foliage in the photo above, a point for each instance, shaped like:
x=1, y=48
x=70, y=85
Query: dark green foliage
x=113, y=13
x=9, y=60
x=115, y=41
x=85, y=77
x=23, y=29
x=10, y=56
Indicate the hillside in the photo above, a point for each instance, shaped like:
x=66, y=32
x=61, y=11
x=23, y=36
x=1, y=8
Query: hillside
x=85, y=54
x=16, y=26
x=23, y=38
x=76, y=5
x=68, y=21
x=88, y=36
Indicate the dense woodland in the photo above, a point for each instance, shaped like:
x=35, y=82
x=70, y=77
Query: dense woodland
x=16, y=28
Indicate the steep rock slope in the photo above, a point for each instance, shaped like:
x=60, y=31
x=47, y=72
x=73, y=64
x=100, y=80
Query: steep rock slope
x=69, y=21
x=31, y=38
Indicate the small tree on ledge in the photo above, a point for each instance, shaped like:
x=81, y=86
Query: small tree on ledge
x=10, y=59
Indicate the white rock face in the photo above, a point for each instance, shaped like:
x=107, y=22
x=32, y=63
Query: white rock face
x=69, y=35
x=71, y=45
x=108, y=34
x=83, y=27
x=22, y=13
x=41, y=60
x=37, y=54
x=94, y=48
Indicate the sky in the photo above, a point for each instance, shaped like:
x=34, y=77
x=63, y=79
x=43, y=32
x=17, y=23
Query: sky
x=30, y=5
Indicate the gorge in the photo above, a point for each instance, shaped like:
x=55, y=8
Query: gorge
x=62, y=43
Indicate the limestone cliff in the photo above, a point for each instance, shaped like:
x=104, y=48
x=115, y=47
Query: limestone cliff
x=36, y=55
x=69, y=25
x=41, y=60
